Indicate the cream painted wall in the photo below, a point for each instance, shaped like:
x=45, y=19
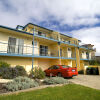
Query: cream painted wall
x=73, y=63
x=26, y=62
x=81, y=65
x=70, y=63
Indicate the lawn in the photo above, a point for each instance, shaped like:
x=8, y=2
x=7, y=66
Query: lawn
x=67, y=92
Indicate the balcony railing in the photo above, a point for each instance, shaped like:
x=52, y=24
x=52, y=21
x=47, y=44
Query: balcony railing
x=53, y=38
x=85, y=58
x=27, y=50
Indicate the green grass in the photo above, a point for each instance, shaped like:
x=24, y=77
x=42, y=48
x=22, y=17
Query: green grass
x=67, y=92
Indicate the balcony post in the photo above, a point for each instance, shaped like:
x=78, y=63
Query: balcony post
x=33, y=53
x=59, y=52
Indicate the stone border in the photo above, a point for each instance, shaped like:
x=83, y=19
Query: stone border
x=31, y=89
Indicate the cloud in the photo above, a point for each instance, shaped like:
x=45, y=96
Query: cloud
x=89, y=35
x=71, y=12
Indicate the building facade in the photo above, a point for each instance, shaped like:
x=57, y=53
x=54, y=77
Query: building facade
x=41, y=47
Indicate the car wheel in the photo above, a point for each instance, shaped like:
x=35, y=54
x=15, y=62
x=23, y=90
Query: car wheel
x=59, y=75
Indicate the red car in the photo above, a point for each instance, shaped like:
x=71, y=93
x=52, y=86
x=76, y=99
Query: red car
x=61, y=70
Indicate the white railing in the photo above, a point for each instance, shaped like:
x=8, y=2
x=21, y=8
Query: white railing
x=28, y=50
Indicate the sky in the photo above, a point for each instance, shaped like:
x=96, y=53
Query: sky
x=76, y=18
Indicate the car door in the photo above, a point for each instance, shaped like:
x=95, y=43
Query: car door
x=49, y=71
x=55, y=70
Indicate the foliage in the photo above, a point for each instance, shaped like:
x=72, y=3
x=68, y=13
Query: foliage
x=20, y=83
x=38, y=73
x=4, y=64
x=94, y=62
x=21, y=71
x=6, y=72
x=55, y=80
x=10, y=73
x=92, y=71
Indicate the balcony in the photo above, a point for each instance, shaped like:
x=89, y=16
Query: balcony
x=48, y=37
x=27, y=51
x=56, y=39
x=86, y=46
x=85, y=57
x=24, y=51
x=71, y=43
x=67, y=55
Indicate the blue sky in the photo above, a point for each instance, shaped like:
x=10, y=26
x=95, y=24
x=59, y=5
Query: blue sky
x=77, y=18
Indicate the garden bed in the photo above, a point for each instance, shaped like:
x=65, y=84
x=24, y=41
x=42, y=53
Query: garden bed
x=48, y=82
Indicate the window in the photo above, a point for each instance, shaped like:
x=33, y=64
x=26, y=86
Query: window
x=61, y=52
x=51, y=67
x=11, y=45
x=15, y=45
x=43, y=50
x=41, y=34
x=64, y=66
x=69, y=49
x=19, y=27
x=54, y=67
x=82, y=52
x=35, y=43
x=87, y=54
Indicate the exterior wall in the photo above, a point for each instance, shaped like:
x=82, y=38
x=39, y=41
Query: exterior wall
x=73, y=63
x=66, y=62
x=81, y=65
x=26, y=62
x=43, y=63
x=5, y=36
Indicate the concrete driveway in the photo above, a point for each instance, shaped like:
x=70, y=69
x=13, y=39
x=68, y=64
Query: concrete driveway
x=92, y=81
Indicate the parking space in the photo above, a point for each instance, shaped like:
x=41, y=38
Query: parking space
x=92, y=81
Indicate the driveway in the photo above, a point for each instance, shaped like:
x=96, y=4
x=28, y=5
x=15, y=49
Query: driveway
x=92, y=81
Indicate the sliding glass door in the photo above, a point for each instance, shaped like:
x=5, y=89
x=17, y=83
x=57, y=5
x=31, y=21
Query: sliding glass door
x=15, y=45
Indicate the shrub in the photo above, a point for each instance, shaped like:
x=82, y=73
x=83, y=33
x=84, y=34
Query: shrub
x=10, y=73
x=20, y=83
x=55, y=80
x=21, y=71
x=4, y=64
x=92, y=71
x=94, y=62
x=38, y=73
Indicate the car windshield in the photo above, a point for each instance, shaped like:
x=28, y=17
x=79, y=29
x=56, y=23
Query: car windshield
x=65, y=66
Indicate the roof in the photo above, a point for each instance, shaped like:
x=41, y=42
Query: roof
x=14, y=30
x=37, y=26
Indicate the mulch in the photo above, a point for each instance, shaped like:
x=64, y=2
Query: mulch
x=2, y=90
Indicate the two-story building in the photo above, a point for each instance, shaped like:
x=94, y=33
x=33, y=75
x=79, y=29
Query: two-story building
x=41, y=47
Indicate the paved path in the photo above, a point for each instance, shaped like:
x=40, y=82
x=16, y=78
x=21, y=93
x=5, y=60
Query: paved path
x=92, y=81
